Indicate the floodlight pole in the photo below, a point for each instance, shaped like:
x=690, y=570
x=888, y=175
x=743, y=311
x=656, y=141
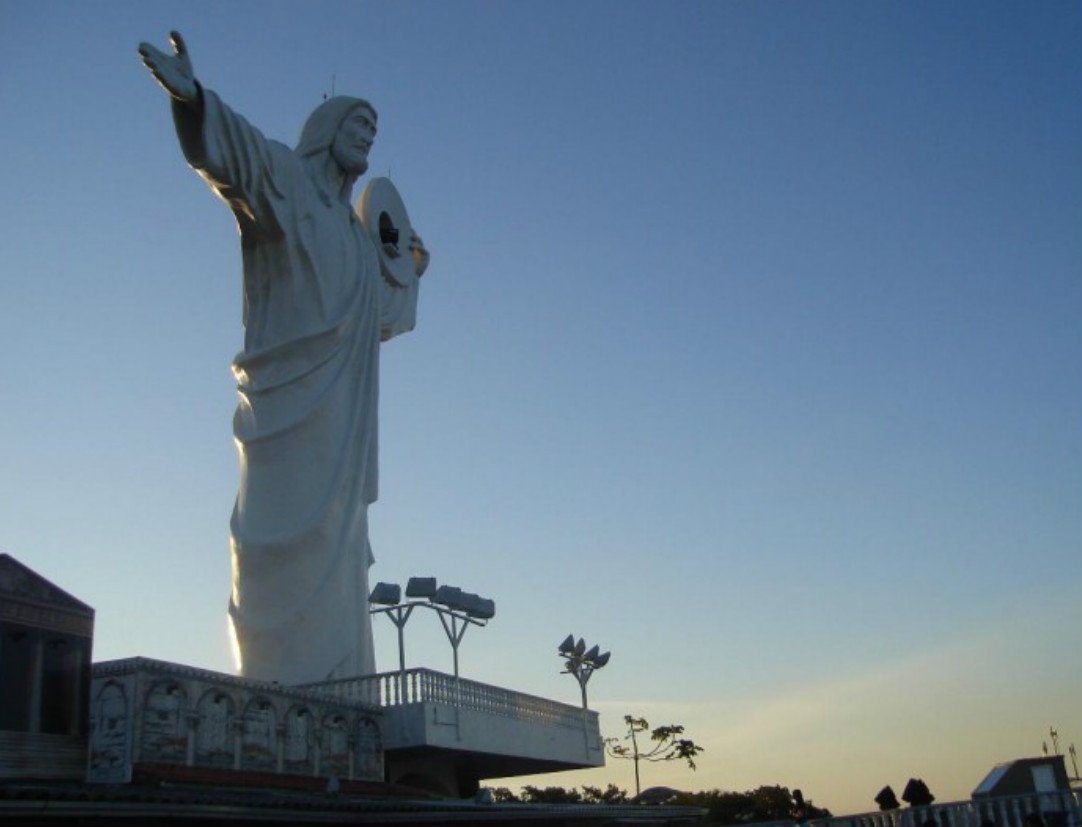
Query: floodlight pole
x=582, y=673
x=399, y=615
x=582, y=664
x=400, y=612
x=455, y=633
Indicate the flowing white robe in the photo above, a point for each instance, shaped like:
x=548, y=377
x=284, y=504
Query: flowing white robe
x=315, y=311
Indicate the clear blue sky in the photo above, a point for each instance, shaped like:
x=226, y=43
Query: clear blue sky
x=750, y=349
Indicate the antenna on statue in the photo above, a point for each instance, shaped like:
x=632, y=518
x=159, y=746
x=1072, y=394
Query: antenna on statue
x=332, y=88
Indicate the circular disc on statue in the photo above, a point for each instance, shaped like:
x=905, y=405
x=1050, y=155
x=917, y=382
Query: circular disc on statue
x=385, y=218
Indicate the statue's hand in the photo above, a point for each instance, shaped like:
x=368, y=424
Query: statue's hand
x=174, y=72
x=420, y=255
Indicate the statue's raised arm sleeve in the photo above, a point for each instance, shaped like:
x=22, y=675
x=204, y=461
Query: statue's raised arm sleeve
x=398, y=309
x=244, y=168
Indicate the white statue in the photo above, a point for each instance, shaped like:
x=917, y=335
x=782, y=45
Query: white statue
x=315, y=311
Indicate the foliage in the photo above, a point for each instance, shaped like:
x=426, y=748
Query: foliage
x=917, y=794
x=764, y=803
x=886, y=799
x=668, y=746
x=550, y=795
x=610, y=795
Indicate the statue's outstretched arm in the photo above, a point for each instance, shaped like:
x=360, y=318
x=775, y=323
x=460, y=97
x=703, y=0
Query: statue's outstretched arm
x=174, y=72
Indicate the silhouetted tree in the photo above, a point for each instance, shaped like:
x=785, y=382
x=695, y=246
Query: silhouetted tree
x=550, y=795
x=766, y=803
x=886, y=799
x=610, y=795
x=917, y=794
x=668, y=746
x=504, y=795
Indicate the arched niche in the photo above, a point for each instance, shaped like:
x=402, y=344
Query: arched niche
x=109, y=741
x=214, y=735
x=259, y=739
x=299, y=729
x=165, y=731
x=368, y=749
x=334, y=752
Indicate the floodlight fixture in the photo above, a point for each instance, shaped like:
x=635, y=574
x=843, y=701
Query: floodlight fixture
x=449, y=596
x=421, y=587
x=468, y=602
x=386, y=594
x=482, y=609
x=457, y=611
x=581, y=662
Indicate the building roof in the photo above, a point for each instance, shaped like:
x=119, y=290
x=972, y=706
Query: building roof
x=28, y=599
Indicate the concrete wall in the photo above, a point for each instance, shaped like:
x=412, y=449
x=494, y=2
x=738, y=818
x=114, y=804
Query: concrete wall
x=447, y=727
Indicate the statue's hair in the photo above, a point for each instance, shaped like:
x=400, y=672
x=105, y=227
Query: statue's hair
x=322, y=125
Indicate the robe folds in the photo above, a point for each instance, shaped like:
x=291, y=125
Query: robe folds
x=315, y=311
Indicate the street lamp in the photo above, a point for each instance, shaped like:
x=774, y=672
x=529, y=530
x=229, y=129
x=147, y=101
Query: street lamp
x=580, y=662
x=457, y=610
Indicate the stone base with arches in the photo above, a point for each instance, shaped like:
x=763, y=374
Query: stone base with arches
x=151, y=712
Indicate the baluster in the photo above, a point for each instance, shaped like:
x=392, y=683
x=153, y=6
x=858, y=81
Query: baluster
x=1016, y=812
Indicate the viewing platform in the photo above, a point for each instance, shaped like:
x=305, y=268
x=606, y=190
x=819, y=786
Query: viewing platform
x=446, y=734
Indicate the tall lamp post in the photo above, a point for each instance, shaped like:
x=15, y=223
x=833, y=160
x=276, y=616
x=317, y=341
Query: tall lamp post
x=582, y=663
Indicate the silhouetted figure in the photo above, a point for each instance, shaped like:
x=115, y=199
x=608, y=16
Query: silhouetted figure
x=887, y=800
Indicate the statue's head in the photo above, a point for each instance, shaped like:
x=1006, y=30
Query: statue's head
x=342, y=127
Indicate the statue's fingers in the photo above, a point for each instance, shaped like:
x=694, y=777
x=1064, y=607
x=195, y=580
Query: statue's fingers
x=177, y=42
x=149, y=54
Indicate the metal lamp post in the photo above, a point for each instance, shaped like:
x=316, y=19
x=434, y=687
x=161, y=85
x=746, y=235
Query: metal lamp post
x=582, y=663
x=457, y=610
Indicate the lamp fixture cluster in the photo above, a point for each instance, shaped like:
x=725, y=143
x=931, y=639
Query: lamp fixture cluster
x=457, y=610
x=577, y=656
x=425, y=588
x=581, y=662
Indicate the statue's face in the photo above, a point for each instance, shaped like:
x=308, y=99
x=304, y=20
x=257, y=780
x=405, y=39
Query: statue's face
x=354, y=139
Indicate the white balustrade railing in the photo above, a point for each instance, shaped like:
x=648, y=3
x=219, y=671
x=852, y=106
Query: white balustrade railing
x=425, y=685
x=1057, y=809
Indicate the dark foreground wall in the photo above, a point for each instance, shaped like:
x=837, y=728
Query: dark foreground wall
x=164, y=806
